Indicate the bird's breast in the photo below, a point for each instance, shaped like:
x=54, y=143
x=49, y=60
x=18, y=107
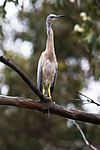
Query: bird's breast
x=49, y=69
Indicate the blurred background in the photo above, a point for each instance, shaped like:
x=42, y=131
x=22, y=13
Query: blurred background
x=77, y=45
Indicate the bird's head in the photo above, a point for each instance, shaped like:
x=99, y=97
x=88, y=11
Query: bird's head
x=52, y=17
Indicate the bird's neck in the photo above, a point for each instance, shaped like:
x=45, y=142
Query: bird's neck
x=50, y=41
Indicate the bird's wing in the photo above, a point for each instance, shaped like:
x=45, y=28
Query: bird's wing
x=54, y=81
x=39, y=75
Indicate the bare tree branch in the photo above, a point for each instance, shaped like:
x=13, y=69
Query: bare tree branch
x=84, y=137
x=88, y=99
x=23, y=76
x=44, y=105
x=52, y=107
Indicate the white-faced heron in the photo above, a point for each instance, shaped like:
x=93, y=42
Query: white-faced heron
x=47, y=65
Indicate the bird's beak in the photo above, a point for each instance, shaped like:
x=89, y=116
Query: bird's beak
x=59, y=16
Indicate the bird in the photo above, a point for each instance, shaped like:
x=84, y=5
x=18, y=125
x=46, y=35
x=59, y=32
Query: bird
x=47, y=64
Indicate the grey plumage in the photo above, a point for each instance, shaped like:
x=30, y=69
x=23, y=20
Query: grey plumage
x=47, y=65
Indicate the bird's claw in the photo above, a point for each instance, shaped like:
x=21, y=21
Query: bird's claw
x=48, y=99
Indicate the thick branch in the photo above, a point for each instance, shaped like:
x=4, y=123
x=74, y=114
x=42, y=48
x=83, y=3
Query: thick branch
x=52, y=108
x=23, y=76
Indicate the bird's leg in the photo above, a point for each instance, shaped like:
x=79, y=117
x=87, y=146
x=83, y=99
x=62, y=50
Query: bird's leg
x=43, y=90
x=49, y=92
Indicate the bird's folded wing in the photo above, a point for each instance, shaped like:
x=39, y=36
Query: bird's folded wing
x=39, y=76
x=54, y=81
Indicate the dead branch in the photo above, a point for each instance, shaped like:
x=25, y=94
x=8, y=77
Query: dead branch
x=88, y=99
x=10, y=64
x=44, y=105
x=52, y=107
x=84, y=137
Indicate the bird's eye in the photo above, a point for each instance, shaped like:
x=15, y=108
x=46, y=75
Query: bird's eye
x=52, y=17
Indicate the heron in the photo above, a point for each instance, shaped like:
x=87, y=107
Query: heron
x=48, y=65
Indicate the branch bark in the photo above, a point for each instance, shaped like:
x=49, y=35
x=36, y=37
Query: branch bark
x=50, y=107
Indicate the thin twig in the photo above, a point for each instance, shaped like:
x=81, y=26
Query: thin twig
x=88, y=99
x=84, y=137
x=23, y=76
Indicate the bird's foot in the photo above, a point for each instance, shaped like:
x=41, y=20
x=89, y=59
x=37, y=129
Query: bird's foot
x=49, y=99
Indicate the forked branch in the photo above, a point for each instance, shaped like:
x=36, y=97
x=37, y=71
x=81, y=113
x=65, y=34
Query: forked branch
x=44, y=105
